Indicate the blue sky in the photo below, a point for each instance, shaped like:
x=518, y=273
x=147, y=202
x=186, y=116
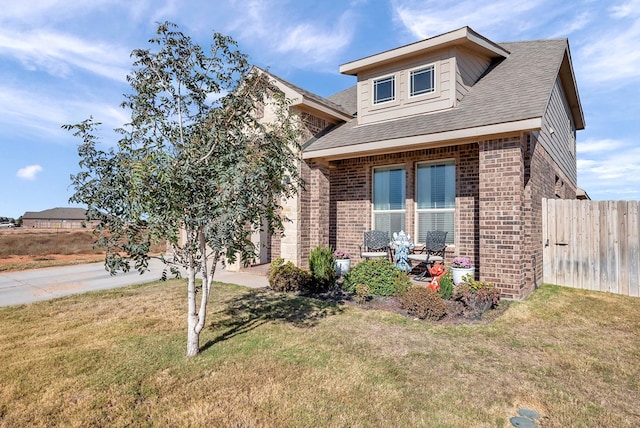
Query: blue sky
x=62, y=61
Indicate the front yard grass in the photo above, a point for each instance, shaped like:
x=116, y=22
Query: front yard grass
x=116, y=358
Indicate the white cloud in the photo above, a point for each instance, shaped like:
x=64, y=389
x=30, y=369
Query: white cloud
x=29, y=172
x=429, y=18
x=623, y=10
x=44, y=113
x=58, y=54
x=607, y=169
x=599, y=146
x=300, y=42
x=614, y=58
x=575, y=23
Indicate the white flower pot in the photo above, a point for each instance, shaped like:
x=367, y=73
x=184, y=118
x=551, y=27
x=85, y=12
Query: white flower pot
x=458, y=273
x=342, y=266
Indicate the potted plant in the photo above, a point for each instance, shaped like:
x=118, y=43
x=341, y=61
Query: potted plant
x=343, y=261
x=460, y=267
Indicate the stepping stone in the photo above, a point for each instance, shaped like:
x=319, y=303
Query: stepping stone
x=528, y=413
x=522, y=422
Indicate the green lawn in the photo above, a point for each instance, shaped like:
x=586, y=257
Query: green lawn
x=116, y=358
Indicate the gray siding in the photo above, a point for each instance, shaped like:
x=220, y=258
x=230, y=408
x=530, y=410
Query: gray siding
x=558, y=133
x=469, y=69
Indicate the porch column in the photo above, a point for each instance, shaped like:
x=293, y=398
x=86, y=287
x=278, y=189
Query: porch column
x=501, y=224
x=315, y=208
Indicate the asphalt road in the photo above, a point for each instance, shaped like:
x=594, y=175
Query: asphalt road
x=48, y=283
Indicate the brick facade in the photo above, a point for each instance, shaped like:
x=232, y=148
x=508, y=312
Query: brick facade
x=500, y=184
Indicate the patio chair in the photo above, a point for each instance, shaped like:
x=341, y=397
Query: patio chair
x=376, y=245
x=432, y=252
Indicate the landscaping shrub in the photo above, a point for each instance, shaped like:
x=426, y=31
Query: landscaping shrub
x=378, y=274
x=424, y=303
x=402, y=284
x=446, y=286
x=477, y=297
x=362, y=293
x=286, y=277
x=322, y=268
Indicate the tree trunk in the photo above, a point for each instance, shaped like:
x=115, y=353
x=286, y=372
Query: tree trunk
x=193, y=333
x=193, y=336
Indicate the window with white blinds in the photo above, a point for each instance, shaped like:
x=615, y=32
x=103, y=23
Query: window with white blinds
x=435, y=199
x=389, y=194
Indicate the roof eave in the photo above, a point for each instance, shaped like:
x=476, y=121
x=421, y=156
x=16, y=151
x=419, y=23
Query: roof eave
x=298, y=99
x=570, y=87
x=462, y=36
x=459, y=136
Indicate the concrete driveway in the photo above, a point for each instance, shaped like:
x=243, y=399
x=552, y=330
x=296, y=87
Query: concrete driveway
x=48, y=283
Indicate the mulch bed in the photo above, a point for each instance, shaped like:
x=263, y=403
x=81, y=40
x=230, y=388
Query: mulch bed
x=455, y=315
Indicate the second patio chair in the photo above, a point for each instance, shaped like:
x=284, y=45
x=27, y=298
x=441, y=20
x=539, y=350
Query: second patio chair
x=434, y=248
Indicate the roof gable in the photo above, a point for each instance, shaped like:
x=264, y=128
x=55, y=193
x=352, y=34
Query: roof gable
x=464, y=36
x=307, y=99
x=512, y=95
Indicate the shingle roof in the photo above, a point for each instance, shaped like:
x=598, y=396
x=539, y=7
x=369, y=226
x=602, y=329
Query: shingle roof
x=347, y=99
x=57, y=214
x=317, y=98
x=516, y=88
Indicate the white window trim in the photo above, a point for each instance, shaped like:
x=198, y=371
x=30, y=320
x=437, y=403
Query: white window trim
x=396, y=97
x=431, y=210
x=436, y=83
x=373, y=210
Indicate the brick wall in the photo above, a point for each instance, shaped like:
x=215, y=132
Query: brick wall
x=501, y=184
x=350, y=190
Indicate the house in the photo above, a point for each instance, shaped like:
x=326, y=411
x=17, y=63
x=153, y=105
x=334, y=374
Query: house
x=56, y=218
x=456, y=133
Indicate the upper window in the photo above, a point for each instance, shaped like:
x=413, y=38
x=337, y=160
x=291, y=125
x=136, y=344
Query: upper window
x=435, y=199
x=384, y=90
x=422, y=81
x=389, y=186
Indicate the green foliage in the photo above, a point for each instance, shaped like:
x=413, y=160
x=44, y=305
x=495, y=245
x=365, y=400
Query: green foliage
x=322, y=268
x=194, y=156
x=286, y=277
x=402, y=284
x=378, y=274
x=424, y=303
x=446, y=286
x=363, y=292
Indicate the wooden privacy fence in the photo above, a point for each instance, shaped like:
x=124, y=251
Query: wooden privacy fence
x=592, y=245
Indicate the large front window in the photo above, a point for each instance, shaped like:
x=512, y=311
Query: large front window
x=389, y=184
x=435, y=199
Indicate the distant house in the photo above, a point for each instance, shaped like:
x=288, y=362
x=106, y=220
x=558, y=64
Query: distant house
x=454, y=133
x=56, y=218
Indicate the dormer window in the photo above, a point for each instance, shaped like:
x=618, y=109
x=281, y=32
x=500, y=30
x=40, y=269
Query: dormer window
x=422, y=81
x=384, y=90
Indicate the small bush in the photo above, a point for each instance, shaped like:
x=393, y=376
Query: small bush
x=322, y=268
x=424, y=303
x=477, y=297
x=402, y=284
x=446, y=286
x=362, y=293
x=378, y=274
x=286, y=277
